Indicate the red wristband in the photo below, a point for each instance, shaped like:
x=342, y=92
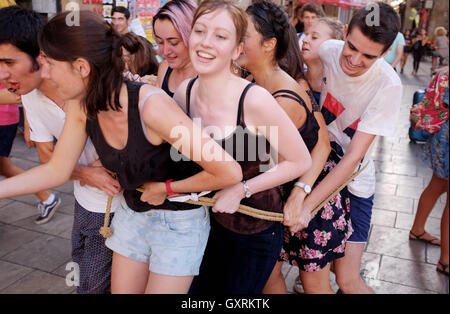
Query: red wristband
x=168, y=188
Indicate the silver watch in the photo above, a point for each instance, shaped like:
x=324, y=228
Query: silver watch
x=304, y=186
x=248, y=193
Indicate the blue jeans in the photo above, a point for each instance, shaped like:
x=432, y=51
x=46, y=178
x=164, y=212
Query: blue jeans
x=238, y=263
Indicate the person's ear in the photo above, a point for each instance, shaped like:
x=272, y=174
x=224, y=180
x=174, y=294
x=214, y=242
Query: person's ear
x=345, y=33
x=82, y=66
x=238, y=51
x=270, y=45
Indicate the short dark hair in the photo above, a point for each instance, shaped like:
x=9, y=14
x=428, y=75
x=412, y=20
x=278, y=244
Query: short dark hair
x=20, y=27
x=122, y=10
x=313, y=8
x=385, y=32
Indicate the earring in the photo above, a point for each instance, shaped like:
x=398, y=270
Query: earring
x=236, y=68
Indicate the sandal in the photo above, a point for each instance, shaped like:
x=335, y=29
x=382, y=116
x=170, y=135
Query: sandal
x=420, y=238
x=444, y=268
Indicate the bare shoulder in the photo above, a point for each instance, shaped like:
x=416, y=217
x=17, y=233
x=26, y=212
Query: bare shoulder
x=155, y=98
x=162, y=69
x=180, y=94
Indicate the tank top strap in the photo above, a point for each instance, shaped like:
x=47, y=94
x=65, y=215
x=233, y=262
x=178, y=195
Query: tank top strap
x=165, y=83
x=188, y=96
x=133, y=89
x=240, y=115
x=291, y=95
x=141, y=109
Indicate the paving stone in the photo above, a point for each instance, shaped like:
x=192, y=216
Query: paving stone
x=405, y=221
x=290, y=279
x=394, y=242
x=45, y=253
x=370, y=265
x=412, y=274
x=17, y=211
x=408, y=191
x=400, y=180
x=4, y=202
x=393, y=203
x=57, y=225
x=61, y=270
x=39, y=282
x=383, y=217
x=384, y=287
x=11, y=273
x=12, y=238
x=385, y=188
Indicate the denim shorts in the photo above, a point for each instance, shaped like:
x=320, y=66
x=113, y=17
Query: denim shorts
x=360, y=214
x=171, y=242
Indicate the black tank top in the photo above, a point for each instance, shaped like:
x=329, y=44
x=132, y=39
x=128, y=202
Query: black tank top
x=309, y=131
x=139, y=162
x=237, y=145
x=165, y=83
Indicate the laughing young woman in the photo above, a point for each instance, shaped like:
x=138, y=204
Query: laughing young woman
x=171, y=28
x=239, y=113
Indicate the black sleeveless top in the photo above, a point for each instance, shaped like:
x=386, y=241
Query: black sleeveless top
x=165, y=83
x=241, y=145
x=139, y=162
x=309, y=131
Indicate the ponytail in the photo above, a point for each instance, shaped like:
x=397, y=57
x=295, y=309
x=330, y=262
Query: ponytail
x=95, y=41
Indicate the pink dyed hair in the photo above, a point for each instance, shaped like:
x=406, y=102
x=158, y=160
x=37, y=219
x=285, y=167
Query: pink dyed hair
x=181, y=14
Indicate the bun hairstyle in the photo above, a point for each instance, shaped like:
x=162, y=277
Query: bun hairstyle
x=95, y=41
x=271, y=22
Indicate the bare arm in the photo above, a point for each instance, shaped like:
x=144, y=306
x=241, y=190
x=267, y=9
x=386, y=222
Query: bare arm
x=93, y=175
x=399, y=55
x=293, y=208
x=164, y=118
x=59, y=168
x=355, y=152
x=281, y=133
x=7, y=98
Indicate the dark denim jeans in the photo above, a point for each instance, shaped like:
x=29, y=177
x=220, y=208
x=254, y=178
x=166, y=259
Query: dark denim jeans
x=238, y=263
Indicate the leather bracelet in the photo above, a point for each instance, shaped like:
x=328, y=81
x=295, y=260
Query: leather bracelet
x=169, y=189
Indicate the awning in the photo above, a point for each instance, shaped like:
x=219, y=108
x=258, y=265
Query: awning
x=344, y=4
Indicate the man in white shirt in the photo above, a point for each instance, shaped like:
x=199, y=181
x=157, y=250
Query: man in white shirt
x=309, y=13
x=46, y=116
x=360, y=99
x=121, y=21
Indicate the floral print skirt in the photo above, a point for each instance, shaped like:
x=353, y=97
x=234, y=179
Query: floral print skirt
x=324, y=239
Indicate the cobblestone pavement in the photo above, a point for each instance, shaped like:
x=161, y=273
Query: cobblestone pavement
x=33, y=258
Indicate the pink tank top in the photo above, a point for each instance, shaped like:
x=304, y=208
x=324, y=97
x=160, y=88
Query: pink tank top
x=9, y=114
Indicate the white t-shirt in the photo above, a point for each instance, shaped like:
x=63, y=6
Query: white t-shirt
x=369, y=103
x=46, y=120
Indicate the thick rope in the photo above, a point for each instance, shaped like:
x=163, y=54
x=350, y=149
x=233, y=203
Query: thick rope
x=106, y=231
x=243, y=209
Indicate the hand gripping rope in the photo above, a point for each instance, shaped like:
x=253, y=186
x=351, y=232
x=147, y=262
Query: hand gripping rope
x=195, y=199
